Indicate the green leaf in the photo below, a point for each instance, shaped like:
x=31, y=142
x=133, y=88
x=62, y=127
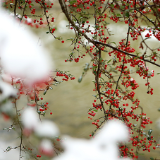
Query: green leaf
x=44, y=113
x=102, y=79
x=80, y=79
x=149, y=138
x=119, y=15
x=122, y=7
x=113, y=42
x=149, y=132
x=151, y=158
x=112, y=5
x=70, y=39
x=155, y=53
x=47, y=32
x=100, y=59
x=39, y=112
x=109, y=60
x=94, y=67
x=44, y=92
x=72, y=2
x=8, y=148
x=94, y=72
x=83, y=73
x=59, y=38
x=127, y=14
x=86, y=68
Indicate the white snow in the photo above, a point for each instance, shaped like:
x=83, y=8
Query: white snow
x=46, y=129
x=31, y=121
x=30, y=118
x=7, y=90
x=19, y=52
x=46, y=147
x=103, y=146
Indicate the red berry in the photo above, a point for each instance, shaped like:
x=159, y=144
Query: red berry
x=39, y=156
x=53, y=30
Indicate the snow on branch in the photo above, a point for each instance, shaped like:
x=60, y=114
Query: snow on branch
x=103, y=146
x=20, y=54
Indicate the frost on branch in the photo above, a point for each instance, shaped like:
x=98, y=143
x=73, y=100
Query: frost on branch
x=103, y=146
x=19, y=51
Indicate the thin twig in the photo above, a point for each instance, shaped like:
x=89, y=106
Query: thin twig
x=97, y=82
x=15, y=7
